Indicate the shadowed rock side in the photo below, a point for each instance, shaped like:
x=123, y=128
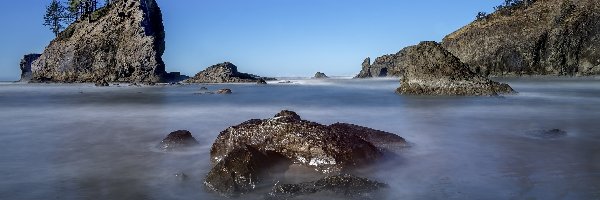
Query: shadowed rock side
x=244, y=153
x=123, y=42
x=25, y=66
x=376, y=137
x=178, y=140
x=224, y=73
x=347, y=185
x=383, y=66
x=548, y=37
x=431, y=70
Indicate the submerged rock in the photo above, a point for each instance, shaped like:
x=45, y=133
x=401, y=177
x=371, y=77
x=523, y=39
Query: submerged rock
x=431, y=70
x=178, y=140
x=320, y=75
x=545, y=37
x=243, y=169
x=224, y=73
x=547, y=134
x=122, y=42
x=224, y=91
x=25, y=66
x=346, y=185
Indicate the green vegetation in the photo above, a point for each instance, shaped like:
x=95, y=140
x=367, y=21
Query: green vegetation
x=506, y=8
x=55, y=17
x=59, y=15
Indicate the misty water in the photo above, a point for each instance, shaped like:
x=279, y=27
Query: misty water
x=83, y=142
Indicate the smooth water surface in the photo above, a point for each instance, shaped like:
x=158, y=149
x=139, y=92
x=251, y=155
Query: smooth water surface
x=83, y=142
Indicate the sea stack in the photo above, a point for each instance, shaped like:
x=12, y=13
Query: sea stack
x=431, y=70
x=122, y=42
x=224, y=73
x=543, y=37
x=320, y=75
x=25, y=66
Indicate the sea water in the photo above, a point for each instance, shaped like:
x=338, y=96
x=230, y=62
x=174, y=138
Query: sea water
x=77, y=141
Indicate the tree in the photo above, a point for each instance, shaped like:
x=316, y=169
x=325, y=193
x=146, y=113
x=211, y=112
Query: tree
x=55, y=17
x=481, y=15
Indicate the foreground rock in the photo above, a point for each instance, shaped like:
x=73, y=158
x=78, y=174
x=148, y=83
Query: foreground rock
x=224, y=73
x=431, y=70
x=320, y=75
x=178, y=140
x=546, y=37
x=123, y=42
x=243, y=169
x=25, y=66
x=286, y=138
x=346, y=185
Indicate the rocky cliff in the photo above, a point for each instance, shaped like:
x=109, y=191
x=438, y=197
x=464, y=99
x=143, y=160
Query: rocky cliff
x=431, y=70
x=224, y=73
x=123, y=42
x=25, y=66
x=548, y=37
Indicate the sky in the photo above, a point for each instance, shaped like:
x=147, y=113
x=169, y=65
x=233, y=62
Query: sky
x=266, y=37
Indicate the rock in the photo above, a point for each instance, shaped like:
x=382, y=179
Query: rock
x=178, y=140
x=546, y=37
x=102, y=83
x=203, y=88
x=383, y=66
x=224, y=73
x=175, y=77
x=547, y=134
x=25, y=66
x=123, y=42
x=303, y=142
x=378, y=138
x=224, y=91
x=431, y=70
x=261, y=81
x=347, y=185
x=243, y=169
x=320, y=75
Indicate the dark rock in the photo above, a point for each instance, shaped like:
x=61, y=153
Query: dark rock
x=224, y=73
x=175, y=77
x=431, y=70
x=320, y=75
x=347, y=185
x=261, y=81
x=383, y=66
x=243, y=169
x=306, y=143
x=224, y=91
x=547, y=134
x=102, y=83
x=178, y=140
x=25, y=66
x=203, y=88
x=111, y=47
x=378, y=138
x=547, y=37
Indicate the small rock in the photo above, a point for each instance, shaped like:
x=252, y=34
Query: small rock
x=320, y=75
x=102, y=83
x=345, y=184
x=181, y=176
x=224, y=91
x=178, y=140
x=203, y=88
x=261, y=82
x=547, y=134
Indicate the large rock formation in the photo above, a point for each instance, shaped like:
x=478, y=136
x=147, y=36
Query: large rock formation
x=547, y=37
x=25, y=66
x=224, y=73
x=122, y=42
x=383, y=66
x=431, y=70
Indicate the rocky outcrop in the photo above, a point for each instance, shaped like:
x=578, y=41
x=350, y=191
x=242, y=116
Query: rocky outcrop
x=431, y=70
x=547, y=37
x=243, y=154
x=25, y=66
x=178, y=140
x=224, y=73
x=320, y=75
x=123, y=42
x=346, y=185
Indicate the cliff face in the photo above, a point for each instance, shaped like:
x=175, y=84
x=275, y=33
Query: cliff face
x=431, y=70
x=548, y=37
x=123, y=42
x=25, y=66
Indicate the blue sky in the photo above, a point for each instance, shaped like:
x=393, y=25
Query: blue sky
x=266, y=37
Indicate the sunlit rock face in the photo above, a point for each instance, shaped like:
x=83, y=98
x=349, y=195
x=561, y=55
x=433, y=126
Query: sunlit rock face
x=547, y=37
x=431, y=70
x=123, y=42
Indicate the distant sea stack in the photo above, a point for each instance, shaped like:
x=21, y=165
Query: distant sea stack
x=431, y=70
x=123, y=42
x=546, y=37
x=224, y=73
x=320, y=75
x=25, y=66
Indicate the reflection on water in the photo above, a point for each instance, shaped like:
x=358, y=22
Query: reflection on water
x=83, y=142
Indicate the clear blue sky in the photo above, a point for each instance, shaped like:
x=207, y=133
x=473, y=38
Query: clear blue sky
x=266, y=37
